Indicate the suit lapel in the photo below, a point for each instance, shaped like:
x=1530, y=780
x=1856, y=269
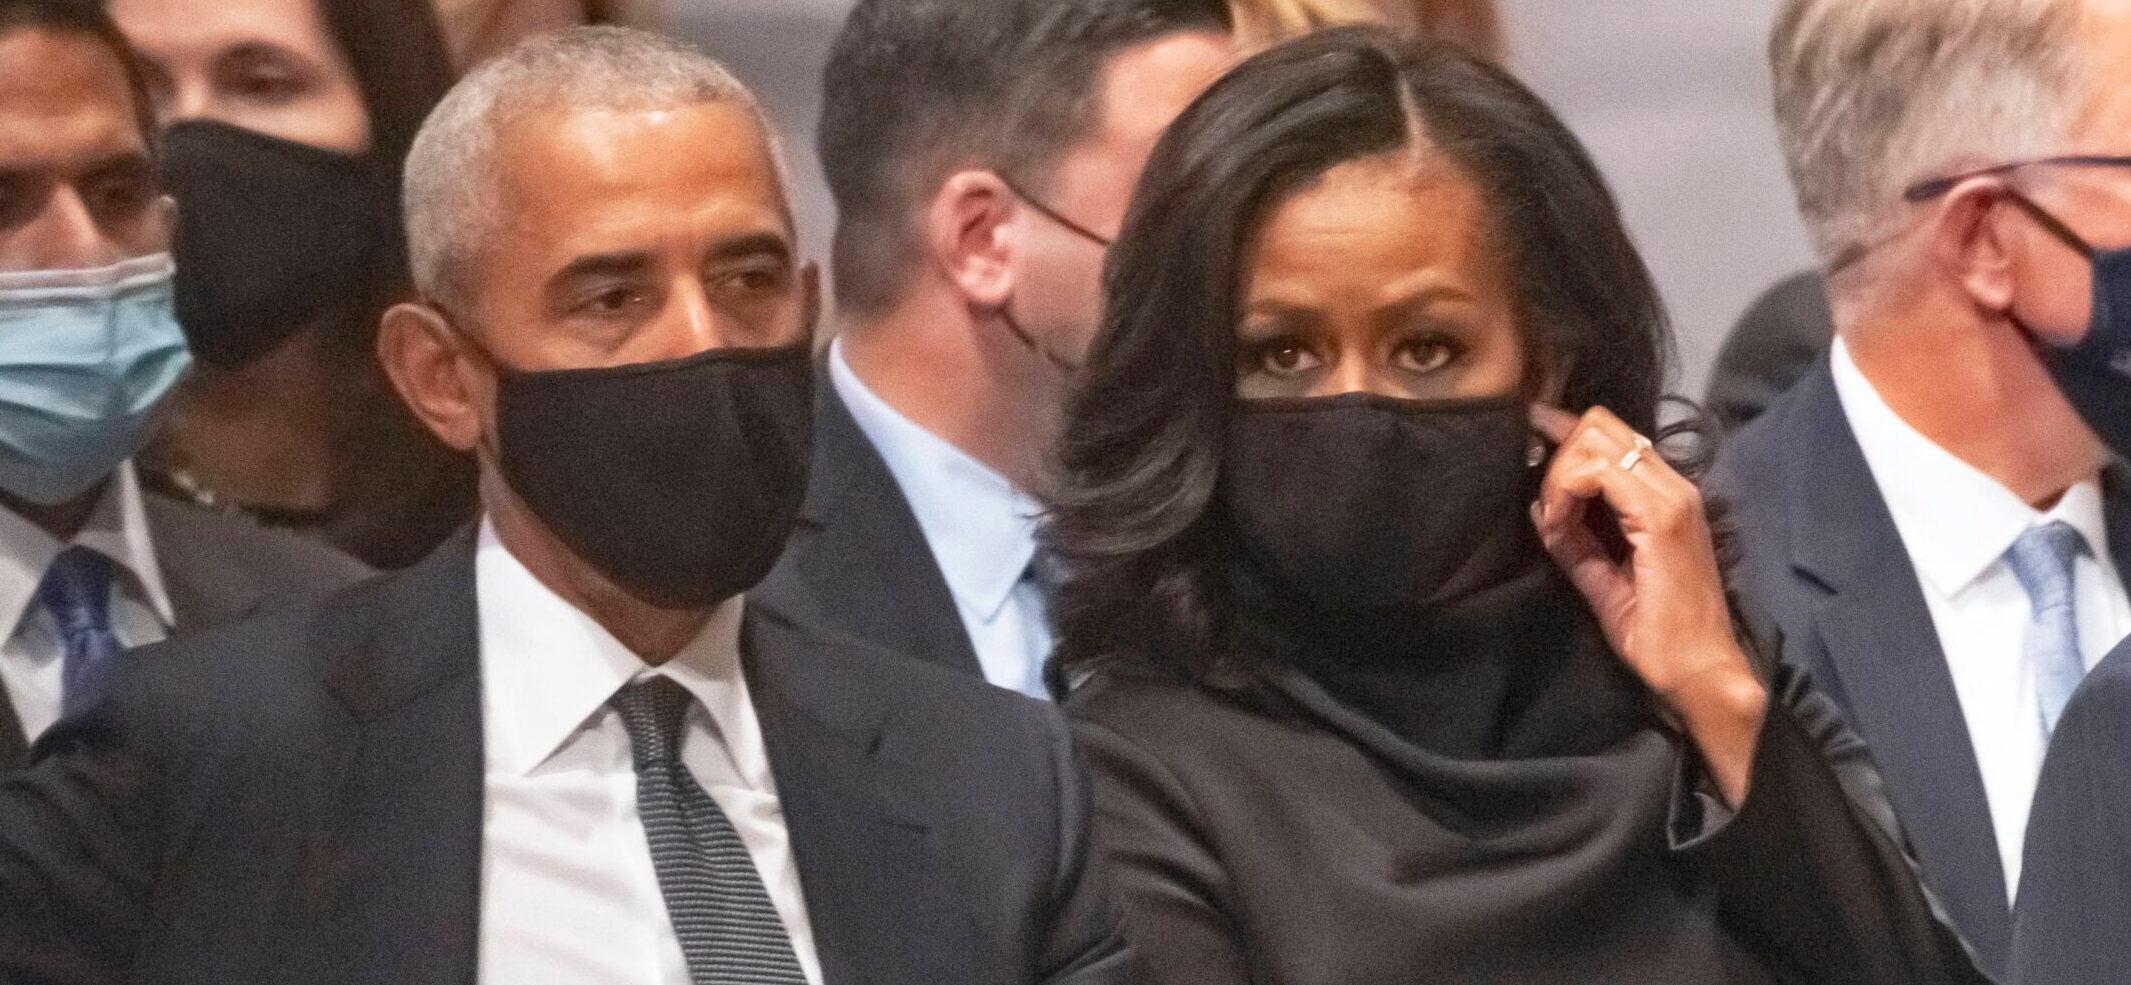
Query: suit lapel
x=1888, y=665
x=14, y=745
x=389, y=885
x=2116, y=516
x=861, y=838
x=860, y=553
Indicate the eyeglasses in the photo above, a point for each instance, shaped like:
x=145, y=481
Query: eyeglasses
x=1925, y=191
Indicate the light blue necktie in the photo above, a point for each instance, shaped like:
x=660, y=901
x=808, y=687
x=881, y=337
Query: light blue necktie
x=77, y=592
x=2042, y=560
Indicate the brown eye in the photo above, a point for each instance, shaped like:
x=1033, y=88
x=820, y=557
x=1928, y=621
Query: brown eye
x=264, y=76
x=1424, y=356
x=1283, y=357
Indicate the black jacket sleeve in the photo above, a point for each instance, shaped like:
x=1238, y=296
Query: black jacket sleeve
x=77, y=848
x=1085, y=945
x=1155, y=856
x=1812, y=869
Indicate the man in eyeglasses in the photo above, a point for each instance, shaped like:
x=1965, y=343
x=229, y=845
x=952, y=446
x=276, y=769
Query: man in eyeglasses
x=1927, y=520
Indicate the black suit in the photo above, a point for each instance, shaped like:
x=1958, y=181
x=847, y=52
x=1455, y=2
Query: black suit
x=1821, y=560
x=859, y=557
x=2072, y=925
x=218, y=569
x=299, y=799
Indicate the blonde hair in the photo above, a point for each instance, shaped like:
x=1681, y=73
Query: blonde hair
x=1472, y=23
x=1874, y=95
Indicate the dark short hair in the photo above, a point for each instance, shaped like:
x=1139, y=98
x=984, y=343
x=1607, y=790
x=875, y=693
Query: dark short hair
x=86, y=18
x=1131, y=513
x=915, y=89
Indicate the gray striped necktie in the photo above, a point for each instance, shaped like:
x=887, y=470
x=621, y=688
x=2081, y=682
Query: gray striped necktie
x=729, y=931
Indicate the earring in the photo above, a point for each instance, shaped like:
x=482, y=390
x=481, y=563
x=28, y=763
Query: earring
x=1535, y=456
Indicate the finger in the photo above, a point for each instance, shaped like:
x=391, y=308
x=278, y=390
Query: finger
x=1641, y=504
x=1553, y=423
x=1583, y=558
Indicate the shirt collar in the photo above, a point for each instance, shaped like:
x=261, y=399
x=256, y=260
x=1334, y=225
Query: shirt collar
x=1954, y=520
x=117, y=528
x=981, y=529
x=548, y=669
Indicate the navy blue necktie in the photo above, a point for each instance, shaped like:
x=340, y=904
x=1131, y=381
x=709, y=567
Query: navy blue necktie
x=77, y=592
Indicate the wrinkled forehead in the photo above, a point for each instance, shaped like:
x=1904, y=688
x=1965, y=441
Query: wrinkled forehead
x=569, y=181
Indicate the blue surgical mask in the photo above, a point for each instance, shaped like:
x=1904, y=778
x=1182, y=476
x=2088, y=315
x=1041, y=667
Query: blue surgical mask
x=87, y=358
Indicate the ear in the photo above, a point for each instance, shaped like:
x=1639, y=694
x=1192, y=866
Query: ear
x=1973, y=246
x=421, y=354
x=966, y=229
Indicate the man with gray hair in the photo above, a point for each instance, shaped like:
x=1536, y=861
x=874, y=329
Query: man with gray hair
x=567, y=748
x=1929, y=523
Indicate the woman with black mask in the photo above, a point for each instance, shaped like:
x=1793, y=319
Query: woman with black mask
x=1382, y=674
x=286, y=124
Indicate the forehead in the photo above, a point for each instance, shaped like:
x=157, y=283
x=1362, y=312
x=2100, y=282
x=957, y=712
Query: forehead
x=1148, y=85
x=180, y=29
x=593, y=180
x=62, y=96
x=1398, y=208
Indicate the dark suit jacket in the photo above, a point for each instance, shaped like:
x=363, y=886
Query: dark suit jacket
x=218, y=569
x=859, y=557
x=298, y=799
x=1820, y=560
x=1777, y=341
x=2072, y=924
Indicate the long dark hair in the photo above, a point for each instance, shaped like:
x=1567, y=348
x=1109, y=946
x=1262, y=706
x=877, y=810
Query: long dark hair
x=1143, y=442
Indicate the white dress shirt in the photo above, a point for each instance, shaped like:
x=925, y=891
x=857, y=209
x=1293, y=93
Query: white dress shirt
x=981, y=529
x=569, y=895
x=33, y=658
x=1956, y=524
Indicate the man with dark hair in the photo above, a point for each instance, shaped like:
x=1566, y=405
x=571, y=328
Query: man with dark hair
x=981, y=155
x=89, y=351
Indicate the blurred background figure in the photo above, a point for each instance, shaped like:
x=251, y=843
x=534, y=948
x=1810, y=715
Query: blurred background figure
x=1927, y=519
x=978, y=187
x=1473, y=24
x=474, y=30
x=90, y=351
x=1774, y=345
x=286, y=124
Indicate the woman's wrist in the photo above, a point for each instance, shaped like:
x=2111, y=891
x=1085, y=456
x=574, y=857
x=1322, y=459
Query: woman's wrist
x=1723, y=710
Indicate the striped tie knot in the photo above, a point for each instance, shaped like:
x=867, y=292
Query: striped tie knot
x=652, y=709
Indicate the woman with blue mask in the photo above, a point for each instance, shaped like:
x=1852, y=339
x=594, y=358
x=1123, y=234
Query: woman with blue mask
x=286, y=121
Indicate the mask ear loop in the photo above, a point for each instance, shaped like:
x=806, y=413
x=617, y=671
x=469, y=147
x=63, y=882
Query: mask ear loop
x=2061, y=232
x=465, y=342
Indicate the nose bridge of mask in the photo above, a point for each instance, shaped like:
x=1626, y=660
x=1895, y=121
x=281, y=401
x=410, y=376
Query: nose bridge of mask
x=86, y=359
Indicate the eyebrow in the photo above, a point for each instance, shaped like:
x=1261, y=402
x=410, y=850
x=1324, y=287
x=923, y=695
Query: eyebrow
x=753, y=245
x=620, y=264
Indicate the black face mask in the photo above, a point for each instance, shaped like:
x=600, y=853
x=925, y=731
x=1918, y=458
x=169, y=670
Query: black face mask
x=2094, y=375
x=271, y=234
x=679, y=480
x=1361, y=503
